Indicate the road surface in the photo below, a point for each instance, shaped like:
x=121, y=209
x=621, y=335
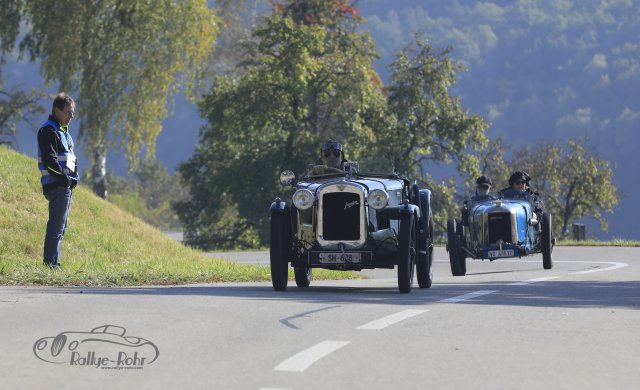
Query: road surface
x=508, y=324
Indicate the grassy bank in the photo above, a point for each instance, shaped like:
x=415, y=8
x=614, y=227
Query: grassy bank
x=103, y=245
x=615, y=242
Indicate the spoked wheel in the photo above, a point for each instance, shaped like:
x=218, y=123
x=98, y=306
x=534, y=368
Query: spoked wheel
x=456, y=258
x=424, y=262
x=303, y=276
x=279, y=248
x=406, y=253
x=546, y=243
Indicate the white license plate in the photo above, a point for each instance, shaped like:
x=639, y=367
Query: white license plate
x=502, y=253
x=338, y=258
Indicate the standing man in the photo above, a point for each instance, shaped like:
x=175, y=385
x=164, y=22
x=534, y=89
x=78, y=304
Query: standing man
x=59, y=173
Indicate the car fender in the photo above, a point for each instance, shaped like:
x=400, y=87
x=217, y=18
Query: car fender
x=409, y=209
x=425, y=208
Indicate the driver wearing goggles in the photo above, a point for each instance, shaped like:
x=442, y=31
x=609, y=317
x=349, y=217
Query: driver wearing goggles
x=331, y=159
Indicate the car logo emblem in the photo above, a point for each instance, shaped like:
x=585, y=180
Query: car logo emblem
x=341, y=187
x=348, y=205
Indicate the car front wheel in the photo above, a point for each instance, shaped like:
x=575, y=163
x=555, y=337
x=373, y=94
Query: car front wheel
x=456, y=259
x=303, y=276
x=546, y=243
x=406, y=253
x=279, y=247
x=424, y=262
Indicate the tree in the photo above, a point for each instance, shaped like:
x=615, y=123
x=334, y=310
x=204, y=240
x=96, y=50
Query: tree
x=123, y=59
x=574, y=181
x=493, y=165
x=431, y=125
x=237, y=20
x=308, y=77
x=16, y=106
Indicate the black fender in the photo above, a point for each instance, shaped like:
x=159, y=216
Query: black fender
x=423, y=223
x=395, y=212
x=409, y=209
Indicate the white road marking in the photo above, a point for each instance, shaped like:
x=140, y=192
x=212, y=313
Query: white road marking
x=391, y=319
x=274, y=388
x=525, y=282
x=614, y=266
x=465, y=297
x=302, y=360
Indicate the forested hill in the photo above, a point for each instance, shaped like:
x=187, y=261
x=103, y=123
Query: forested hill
x=539, y=70
x=536, y=70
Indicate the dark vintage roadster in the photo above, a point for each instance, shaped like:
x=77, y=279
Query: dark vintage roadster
x=352, y=221
x=499, y=228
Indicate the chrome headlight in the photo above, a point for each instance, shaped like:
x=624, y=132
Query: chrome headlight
x=287, y=177
x=378, y=199
x=303, y=199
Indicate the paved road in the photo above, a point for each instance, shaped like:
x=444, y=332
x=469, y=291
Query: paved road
x=506, y=325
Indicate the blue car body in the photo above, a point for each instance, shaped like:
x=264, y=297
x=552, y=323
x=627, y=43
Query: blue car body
x=499, y=228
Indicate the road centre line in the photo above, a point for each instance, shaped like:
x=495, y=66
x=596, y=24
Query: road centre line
x=302, y=360
x=525, y=282
x=274, y=388
x=468, y=296
x=391, y=319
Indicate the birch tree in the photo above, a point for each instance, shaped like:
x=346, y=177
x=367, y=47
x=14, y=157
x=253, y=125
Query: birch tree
x=123, y=61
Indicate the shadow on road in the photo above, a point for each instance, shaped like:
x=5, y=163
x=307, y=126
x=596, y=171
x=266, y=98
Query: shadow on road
x=570, y=294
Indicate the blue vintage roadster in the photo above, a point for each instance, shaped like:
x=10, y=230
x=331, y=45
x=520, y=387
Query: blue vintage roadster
x=499, y=228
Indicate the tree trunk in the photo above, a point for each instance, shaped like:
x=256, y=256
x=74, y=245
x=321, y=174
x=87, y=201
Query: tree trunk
x=99, y=173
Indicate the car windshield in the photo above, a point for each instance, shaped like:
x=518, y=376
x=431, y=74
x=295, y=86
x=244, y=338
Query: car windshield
x=518, y=195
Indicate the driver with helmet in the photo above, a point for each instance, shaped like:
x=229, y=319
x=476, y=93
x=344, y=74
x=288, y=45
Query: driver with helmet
x=519, y=189
x=331, y=159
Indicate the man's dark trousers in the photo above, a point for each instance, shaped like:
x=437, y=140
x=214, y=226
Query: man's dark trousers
x=59, y=204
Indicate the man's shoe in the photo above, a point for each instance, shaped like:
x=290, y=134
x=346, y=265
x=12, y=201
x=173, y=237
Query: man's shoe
x=54, y=266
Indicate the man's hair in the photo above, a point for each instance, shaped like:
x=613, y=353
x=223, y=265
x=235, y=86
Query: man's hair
x=61, y=101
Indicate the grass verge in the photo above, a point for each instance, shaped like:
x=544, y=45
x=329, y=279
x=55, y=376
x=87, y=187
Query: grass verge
x=614, y=242
x=103, y=245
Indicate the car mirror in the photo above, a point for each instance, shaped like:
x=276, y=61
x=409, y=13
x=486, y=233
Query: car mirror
x=534, y=221
x=287, y=177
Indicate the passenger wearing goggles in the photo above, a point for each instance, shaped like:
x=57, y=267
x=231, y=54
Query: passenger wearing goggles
x=483, y=189
x=331, y=159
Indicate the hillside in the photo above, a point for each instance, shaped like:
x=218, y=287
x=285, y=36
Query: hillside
x=103, y=245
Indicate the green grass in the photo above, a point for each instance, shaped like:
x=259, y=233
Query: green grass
x=614, y=242
x=103, y=245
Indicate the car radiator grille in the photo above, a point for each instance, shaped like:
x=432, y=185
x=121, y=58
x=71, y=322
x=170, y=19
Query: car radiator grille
x=499, y=227
x=341, y=216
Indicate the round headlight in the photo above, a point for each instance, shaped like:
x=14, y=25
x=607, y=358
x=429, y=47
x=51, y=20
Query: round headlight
x=303, y=199
x=287, y=177
x=378, y=199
